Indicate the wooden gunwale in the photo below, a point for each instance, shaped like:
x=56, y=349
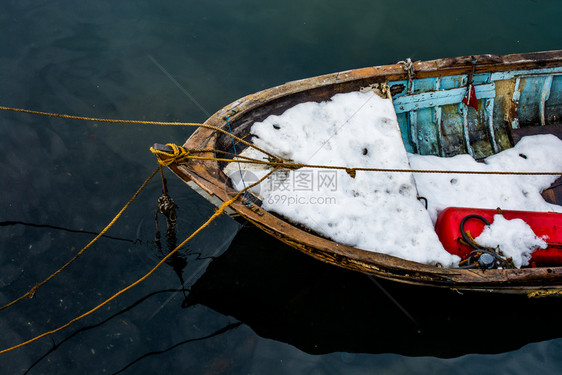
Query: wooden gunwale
x=243, y=112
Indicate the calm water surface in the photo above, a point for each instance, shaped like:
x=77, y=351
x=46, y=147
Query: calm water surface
x=252, y=305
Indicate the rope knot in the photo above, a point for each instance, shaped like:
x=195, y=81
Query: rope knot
x=170, y=154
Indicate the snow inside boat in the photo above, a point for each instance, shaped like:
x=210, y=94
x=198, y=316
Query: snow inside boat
x=419, y=158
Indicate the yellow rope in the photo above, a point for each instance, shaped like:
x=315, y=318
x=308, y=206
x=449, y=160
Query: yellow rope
x=138, y=281
x=179, y=155
x=139, y=122
x=279, y=161
x=33, y=290
x=215, y=151
x=351, y=171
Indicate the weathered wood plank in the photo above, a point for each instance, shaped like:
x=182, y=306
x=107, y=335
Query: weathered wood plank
x=441, y=97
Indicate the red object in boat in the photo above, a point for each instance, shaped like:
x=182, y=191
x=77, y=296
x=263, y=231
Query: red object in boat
x=470, y=99
x=547, y=225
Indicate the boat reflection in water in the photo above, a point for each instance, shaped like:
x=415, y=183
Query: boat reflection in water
x=287, y=296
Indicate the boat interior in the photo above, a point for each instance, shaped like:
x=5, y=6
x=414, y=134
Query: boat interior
x=434, y=120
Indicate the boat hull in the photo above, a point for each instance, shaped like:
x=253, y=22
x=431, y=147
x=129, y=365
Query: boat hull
x=480, y=139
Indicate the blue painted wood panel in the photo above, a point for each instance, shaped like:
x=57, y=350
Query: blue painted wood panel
x=505, y=99
x=554, y=102
x=441, y=97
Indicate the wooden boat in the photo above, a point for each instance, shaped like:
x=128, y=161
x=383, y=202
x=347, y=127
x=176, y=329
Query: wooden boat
x=516, y=94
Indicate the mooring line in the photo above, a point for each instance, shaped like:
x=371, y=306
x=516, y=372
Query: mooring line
x=386, y=293
x=33, y=290
x=138, y=122
x=350, y=171
x=276, y=161
x=217, y=213
x=178, y=85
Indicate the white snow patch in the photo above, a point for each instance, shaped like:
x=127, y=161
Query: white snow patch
x=379, y=211
x=538, y=153
x=515, y=239
x=373, y=211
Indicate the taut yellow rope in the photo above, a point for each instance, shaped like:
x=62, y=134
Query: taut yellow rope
x=278, y=161
x=182, y=155
x=130, y=286
x=139, y=122
x=33, y=290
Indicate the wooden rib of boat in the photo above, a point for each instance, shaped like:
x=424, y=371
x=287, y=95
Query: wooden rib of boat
x=517, y=94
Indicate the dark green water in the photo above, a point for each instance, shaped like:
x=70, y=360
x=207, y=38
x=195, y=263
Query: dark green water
x=260, y=307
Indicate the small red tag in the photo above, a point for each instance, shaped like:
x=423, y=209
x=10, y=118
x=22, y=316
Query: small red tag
x=470, y=98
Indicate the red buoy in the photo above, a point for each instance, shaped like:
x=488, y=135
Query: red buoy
x=547, y=225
